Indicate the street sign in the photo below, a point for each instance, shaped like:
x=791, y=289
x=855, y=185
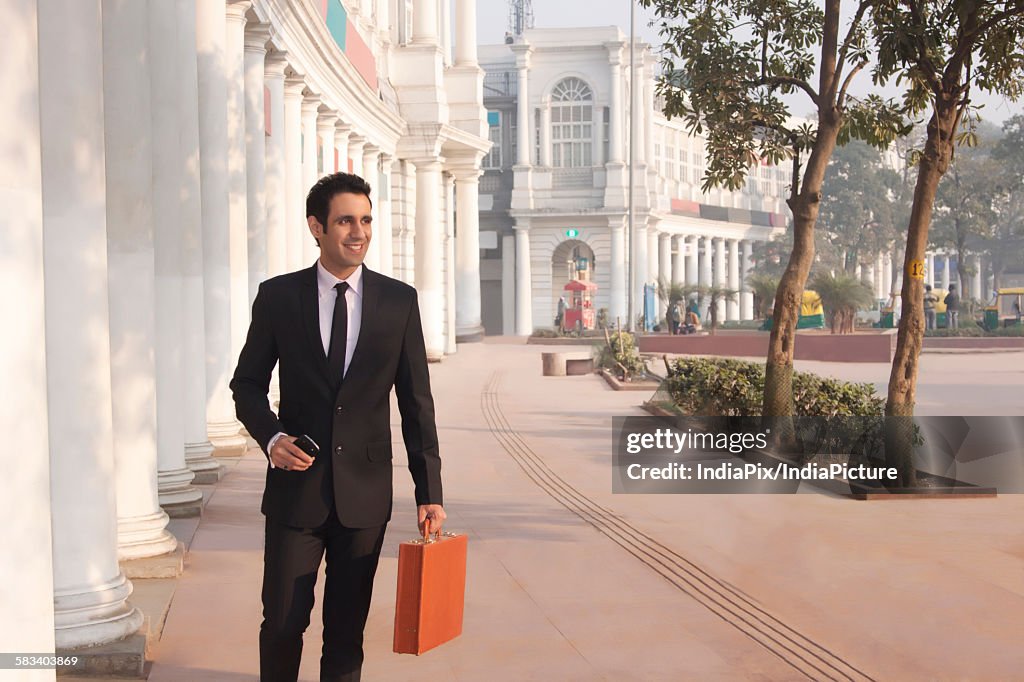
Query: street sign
x=572, y=233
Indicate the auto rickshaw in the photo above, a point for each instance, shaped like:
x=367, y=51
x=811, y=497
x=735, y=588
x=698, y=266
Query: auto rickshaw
x=1005, y=310
x=812, y=314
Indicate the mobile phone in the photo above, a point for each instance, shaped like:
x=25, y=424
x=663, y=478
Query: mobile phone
x=307, y=445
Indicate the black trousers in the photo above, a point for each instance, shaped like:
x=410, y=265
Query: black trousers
x=291, y=560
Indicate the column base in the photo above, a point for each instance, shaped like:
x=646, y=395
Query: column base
x=177, y=496
x=100, y=615
x=473, y=334
x=125, y=658
x=167, y=565
x=140, y=537
x=207, y=470
x=226, y=439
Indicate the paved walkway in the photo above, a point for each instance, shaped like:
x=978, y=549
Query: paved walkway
x=569, y=582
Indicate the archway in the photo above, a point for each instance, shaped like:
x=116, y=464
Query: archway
x=570, y=260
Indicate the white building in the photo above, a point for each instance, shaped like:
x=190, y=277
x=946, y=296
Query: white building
x=556, y=183
x=157, y=154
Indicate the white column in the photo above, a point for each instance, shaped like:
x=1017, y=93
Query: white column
x=880, y=290
x=90, y=592
x=930, y=270
x=679, y=260
x=295, y=207
x=355, y=152
x=692, y=259
x=385, y=233
x=976, y=289
x=945, y=272
x=169, y=216
x=719, y=275
x=508, y=285
x=174, y=483
x=524, y=283
x=255, y=38
x=128, y=141
x=370, y=156
x=449, y=263
x=238, y=232
x=647, y=112
x=707, y=256
x=429, y=254
x=617, y=301
x=310, y=104
x=523, y=117
x=747, y=267
x=653, y=263
x=211, y=28
x=886, y=275
x=342, y=132
x=615, y=146
x=467, y=259
x=637, y=81
x=325, y=126
x=545, y=133
x=446, y=33
x=465, y=33
x=424, y=22
x=665, y=256
x=26, y=584
x=732, y=306
x=276, y=162
x=405, y=214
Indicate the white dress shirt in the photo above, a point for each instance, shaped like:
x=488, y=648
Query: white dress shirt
x=327, y=295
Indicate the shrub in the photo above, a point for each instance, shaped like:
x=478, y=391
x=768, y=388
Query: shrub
x=619, y=355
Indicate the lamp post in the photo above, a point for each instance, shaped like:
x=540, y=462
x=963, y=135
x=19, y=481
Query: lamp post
x=630, y=251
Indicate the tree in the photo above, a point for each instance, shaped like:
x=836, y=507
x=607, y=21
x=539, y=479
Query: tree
x=941, y=50
x=763, y=286
x=728, y=65
x=842, y=295
x=713, y=295
x=1006, y=244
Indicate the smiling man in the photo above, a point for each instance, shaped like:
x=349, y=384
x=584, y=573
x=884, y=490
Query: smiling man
x=342, y=336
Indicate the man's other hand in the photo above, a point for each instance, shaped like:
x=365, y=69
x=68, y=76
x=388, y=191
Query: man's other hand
x=288, y=456
x=430, y=518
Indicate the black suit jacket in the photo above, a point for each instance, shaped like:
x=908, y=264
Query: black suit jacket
x=351, y=426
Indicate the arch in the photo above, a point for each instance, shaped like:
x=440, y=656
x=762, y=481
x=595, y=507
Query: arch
x=563, y=261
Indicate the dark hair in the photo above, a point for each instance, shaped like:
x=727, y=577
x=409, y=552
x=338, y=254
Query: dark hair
x=952, y=287
x=927, y=287
x=318, y=201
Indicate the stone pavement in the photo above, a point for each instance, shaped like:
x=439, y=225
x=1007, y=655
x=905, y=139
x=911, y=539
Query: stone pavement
x=569, y=582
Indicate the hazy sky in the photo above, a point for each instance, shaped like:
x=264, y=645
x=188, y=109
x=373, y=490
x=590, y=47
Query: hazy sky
x=492, y=22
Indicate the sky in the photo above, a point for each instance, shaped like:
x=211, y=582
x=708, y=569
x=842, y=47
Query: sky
x=492, y=22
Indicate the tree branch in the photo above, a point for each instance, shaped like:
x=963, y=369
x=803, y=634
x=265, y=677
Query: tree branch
x=841, y=99
x=845, y=48
x=777, y=81
x=929, y=71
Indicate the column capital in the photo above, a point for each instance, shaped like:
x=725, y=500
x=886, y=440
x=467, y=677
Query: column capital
x=326, y=119
x=277, y=62
x=236, y=9
x=294, y=84
x=356, y=140
x=310, y=104
x=370, y=150
x=465, y=175
x=256, y=37
x=614, y=52
x=342, y=129
x=522, y=51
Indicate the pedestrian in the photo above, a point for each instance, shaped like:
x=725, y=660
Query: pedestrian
x=675, y=317
x=952, y=302
x=341, y=336
x=930, y=300
x=560, y=314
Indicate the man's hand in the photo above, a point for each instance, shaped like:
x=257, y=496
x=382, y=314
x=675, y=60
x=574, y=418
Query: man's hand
x=286, y=455
x=430, y=518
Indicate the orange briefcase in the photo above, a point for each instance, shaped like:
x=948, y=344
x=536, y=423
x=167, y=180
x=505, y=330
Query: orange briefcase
x=431, y=592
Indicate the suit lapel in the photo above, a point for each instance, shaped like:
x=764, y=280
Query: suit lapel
x=310, y=304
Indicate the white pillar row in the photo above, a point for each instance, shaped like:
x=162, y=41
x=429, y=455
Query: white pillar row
x=371, y=154
x=617, y=303
x=310, y=105
x=355, y=152
x=448, y=180
x=465, y=33
x=177, y=496
x=385, y=232
x=523, y=145
x=90, y=593
x=692, y=260
x=615, y=145
x=424, y=22
x=732, y=306
x=26, y=585
x=719, y=275
x=342, y=131
x=679, y=259
x=946, y=278
x=222, y=426
x=468, y=322
x=255, y=132
x=429, y=243
x=747, y=269
x=508, y=285
x=275, y=162
x=325, y=127
x=929, y=270
x=524, y=283
x=545, y=132
x=238, y=218
x=128, y=141
x=169, y=216
x=296, y=232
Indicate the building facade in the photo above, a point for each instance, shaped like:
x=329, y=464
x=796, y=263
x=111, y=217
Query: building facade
x=555, y=184
x=157, y=158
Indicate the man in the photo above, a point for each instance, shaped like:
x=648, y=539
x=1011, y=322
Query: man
x=930, y=300
x=560, y=314
x=952, y=302
x=342, y=336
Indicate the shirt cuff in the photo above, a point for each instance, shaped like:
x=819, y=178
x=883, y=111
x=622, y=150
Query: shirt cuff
x=270, y=446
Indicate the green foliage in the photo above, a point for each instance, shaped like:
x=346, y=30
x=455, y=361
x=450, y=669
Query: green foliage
x=764, y=286
x=841, y=295
x=727, y=387
x=620, y=356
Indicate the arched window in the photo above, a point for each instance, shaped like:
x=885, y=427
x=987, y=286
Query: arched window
x=572, y=114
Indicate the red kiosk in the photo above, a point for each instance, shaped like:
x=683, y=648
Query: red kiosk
x=579, y=308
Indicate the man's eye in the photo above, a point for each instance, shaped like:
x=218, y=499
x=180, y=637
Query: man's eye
x=344, y=221
x=367, y=220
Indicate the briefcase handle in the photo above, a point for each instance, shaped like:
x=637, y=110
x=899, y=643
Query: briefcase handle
x=427, y=540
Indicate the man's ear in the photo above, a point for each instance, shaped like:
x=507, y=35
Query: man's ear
x=315, y=228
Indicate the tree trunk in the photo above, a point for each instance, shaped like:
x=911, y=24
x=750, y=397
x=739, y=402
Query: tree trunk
x=899, y=406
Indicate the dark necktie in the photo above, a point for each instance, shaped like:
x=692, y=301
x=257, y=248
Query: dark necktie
x=339, y=336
